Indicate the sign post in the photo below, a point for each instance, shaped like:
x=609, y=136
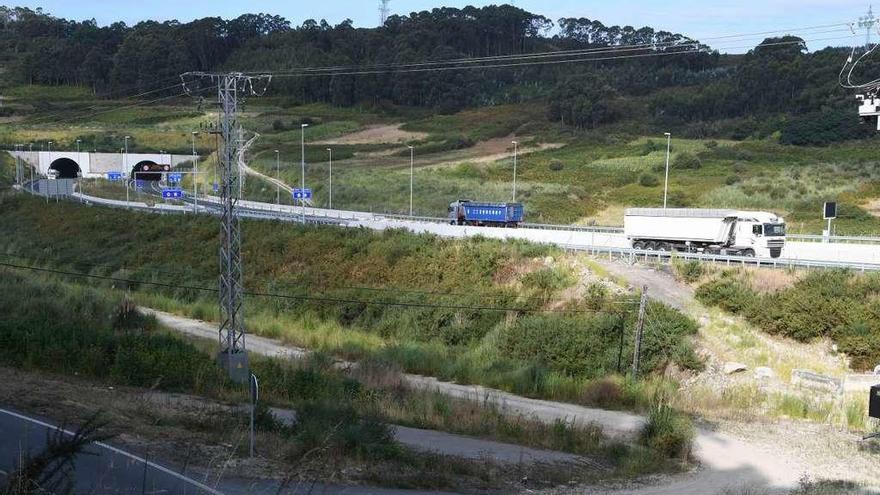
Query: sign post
x=302, y=194
x=255, y=396
x=829, y=212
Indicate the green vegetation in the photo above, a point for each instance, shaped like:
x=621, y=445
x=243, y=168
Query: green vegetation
x=425, y=304
x=837, y=304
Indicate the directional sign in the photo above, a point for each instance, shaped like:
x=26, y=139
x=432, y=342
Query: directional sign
x=168, y=193
x=302, y=193
x=114, y=176
x=216, y=187
x=175, y=177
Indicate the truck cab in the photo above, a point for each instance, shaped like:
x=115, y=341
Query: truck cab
x=758, y=233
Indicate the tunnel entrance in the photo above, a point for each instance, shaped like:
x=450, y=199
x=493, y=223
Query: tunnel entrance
x=66, y=168
x=149, y=170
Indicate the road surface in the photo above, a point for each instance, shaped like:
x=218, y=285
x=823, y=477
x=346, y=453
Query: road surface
x=100, y=469
x=726, y=462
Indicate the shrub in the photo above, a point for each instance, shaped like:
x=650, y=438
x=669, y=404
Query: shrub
x=685, y=160
x=556, y=165
x=668, y=432
x=712, y=144
x=728, y=294
x=688, y=271
x=649, y=180
x=278, y=125
x=731, y=180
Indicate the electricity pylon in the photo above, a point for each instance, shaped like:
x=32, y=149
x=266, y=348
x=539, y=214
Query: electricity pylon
x=232, y=356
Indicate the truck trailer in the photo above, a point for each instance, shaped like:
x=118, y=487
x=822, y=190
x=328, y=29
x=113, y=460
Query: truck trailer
x=711, y=231
x=467, y=212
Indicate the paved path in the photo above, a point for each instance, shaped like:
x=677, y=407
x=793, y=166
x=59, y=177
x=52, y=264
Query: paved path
x=615, y=424
x=725, y=461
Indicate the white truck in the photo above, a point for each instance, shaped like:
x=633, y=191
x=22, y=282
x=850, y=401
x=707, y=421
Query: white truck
x=743, y=233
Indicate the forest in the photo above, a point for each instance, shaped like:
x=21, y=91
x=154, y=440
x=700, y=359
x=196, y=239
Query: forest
x=777, y=86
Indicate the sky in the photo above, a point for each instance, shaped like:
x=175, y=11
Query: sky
x=701, y=19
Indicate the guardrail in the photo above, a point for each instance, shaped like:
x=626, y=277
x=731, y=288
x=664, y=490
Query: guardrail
x=633, y=255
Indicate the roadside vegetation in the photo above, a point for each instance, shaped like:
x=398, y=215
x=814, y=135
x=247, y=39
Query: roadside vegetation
x=838, y=305
x=474, y=311
x=96, y=333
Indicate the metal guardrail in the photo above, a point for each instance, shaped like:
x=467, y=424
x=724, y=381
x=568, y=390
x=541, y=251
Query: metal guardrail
x=619, y=252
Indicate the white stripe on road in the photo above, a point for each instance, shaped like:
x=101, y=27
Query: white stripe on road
x=111, y=448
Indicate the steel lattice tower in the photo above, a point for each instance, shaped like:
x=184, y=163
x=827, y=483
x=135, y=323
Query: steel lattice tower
x=233, y=354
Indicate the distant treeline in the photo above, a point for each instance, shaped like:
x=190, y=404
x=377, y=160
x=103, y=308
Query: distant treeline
x=777, y=86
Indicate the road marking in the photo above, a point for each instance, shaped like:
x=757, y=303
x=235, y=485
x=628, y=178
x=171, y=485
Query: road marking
x=111, y=448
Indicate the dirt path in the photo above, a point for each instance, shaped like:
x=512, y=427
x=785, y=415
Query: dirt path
x=377, y=134
x=615, y=424
x=661, y=285
x=726, y=461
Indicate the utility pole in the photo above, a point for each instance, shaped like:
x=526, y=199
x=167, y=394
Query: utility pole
x=302, y=156
x=867, y=22
x=515, y=144
x=127, y=170
x=195, y=174
x=637, y=345
x=232, y=356
x=330, y=205
x=666, y=182
x=383, y=11
x=411, y=162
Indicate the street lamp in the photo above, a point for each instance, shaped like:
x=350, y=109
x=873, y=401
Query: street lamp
x=302, y=155
x=50, y=146
x=515, y=144
x=411, y=152
x=277, y=178
x=666, y=182
x=127, y=171
x=330, y=150
x=195, y=173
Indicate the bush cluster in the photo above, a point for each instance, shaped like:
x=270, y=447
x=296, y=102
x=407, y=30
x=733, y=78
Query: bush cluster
x=648, y=180
x=836, y=304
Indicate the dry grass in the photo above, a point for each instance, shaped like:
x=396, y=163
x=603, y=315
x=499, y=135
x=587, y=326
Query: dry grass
x=765, y=281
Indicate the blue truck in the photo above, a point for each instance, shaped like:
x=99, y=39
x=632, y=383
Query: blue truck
x=467, y=212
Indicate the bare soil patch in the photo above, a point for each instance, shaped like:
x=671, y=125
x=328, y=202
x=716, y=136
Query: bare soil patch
x=378, y=134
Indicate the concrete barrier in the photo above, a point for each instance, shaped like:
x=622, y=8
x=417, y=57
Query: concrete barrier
x=860, y=382
x=809, y=379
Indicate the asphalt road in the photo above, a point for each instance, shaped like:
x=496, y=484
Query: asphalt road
x=100, y=469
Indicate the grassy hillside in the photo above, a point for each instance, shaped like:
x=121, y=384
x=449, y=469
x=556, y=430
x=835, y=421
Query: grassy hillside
x=564, y=175
x=475, y=311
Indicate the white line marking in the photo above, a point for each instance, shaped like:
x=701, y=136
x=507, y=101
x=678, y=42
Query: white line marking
x=121, y=452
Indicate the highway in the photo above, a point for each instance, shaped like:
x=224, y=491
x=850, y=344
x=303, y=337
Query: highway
x=596, y=240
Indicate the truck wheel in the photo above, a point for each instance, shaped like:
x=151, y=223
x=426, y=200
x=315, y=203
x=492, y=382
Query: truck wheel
x=638, y=245
x=650, y=246
x=748, y=253
x=662, y=247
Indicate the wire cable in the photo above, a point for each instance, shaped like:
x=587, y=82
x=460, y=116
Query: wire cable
x=335, y=300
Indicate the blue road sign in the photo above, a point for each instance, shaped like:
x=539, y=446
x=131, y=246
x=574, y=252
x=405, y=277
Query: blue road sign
x=139, y=183
x=175, y=177
x=168, y=193
x=302, y=193
x=114, y=176
x=216, y=187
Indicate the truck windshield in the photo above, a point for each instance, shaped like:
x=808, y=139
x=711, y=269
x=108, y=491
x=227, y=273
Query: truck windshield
x=774, y=229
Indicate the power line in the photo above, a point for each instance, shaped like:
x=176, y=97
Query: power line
x=524, y=64
x=43, y=118
x=555, y=54
x=325, y=299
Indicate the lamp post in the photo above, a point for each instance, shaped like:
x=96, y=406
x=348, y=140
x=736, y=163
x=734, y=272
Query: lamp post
x=411, y=154
x=515, y=145
x=330, y=205
x=31, y=167
x=127, y=171
x=302, y=156
x=277, y=177
x=196, y=173
x=666, y=182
